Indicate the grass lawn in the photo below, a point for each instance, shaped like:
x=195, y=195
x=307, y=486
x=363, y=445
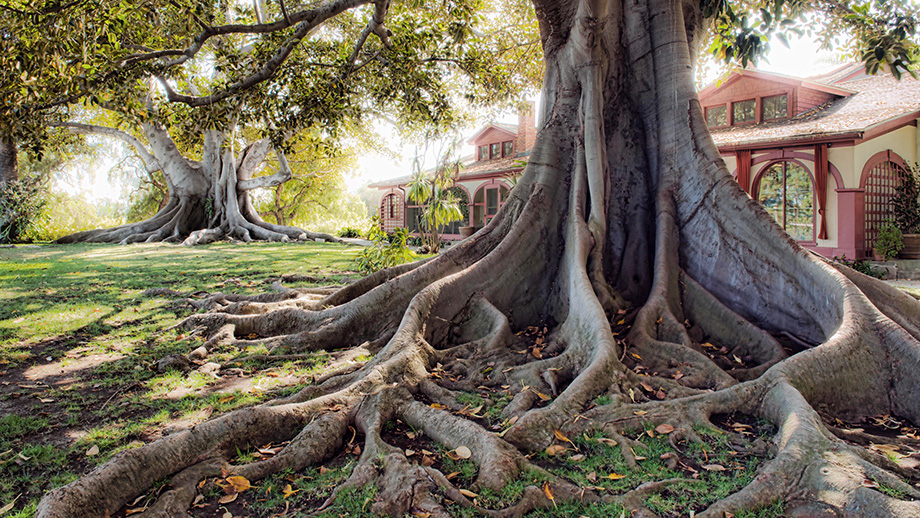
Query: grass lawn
x=79, y=340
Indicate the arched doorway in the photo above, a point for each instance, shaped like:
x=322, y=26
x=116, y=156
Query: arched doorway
x=786, y=190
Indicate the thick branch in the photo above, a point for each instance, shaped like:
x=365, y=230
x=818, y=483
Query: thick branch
x=150, y=161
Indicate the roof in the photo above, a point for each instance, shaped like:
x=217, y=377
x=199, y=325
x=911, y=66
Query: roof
x=509, y=128
x=811, y=83
x=878, y=102
x=470, y=169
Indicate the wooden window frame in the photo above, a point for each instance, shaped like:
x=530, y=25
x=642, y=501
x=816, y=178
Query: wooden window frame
x=763, y=115
x=753, y=119
x=716, y=107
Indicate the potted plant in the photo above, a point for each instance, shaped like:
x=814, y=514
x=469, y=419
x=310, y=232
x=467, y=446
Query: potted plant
x=890, y=241
x=906, y=208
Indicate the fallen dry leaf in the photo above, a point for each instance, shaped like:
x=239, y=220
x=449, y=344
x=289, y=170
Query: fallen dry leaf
x=463, y=452
x=615, y=476
x=238, y=483
x=226, y=499
x=288, y=491
x=467, y=493
x=713, y=467
x=452, y=475
x=555, y=450
x=92, y=451
x=577, y=458
x=591, y=476
x=640, y=413
x=664, y=428
x=548, y=491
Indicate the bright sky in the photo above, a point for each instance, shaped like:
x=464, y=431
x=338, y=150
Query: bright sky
x=804, y=58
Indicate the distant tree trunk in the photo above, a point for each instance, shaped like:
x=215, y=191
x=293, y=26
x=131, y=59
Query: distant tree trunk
x=207, y=200
x=9, y=160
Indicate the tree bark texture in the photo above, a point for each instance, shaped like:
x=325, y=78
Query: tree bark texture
x=625, y=218
x=9, y=161
x=208, y=200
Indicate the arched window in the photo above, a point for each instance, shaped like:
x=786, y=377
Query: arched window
x=786, y=191
x=463, y=200
x=880, y=179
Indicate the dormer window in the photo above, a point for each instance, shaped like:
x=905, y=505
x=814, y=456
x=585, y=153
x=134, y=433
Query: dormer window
x=744, y=111
x=716, y=116
x=507, y=148
x=483, y=152
x=774, y=107
x=496, y=151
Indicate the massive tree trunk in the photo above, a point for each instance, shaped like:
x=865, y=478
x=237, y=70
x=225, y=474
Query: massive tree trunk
x=625, y=218
x=208, y=200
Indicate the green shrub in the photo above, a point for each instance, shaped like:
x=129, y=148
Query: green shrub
x=889, y=241
x=349, y=232
x=906, y=202
x=386, y=250
x=21, y=203
x=861, y=266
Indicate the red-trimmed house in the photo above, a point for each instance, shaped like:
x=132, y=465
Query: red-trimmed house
x=821, y=154
x=484, y=180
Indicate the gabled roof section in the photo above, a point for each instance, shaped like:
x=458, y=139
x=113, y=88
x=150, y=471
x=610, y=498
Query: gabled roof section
x=712, y=88
x=881, y=104
x=506, y=130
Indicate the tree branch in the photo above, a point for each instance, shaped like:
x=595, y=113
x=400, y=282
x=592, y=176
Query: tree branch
x=150, y=161
x=283, y=175
x=316, y=17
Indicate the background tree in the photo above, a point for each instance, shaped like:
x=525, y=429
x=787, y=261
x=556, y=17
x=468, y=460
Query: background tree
x=192, y=88
x=432, y=190
x=625, y=245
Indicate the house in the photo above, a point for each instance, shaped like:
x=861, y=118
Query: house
x=821, y=154
x=484, y=179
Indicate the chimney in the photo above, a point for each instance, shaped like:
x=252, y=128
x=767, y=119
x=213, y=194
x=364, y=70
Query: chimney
x=527, y=128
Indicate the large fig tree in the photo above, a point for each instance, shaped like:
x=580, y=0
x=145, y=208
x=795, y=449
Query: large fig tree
x=625, y=238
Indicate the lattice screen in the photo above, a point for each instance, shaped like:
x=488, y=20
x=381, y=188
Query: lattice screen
x=880, y=189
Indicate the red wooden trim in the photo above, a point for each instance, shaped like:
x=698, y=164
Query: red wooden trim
x=743, y=160
x=821, y=169
x=778, y=154
x=841, y=139
x=876, y=159
x=888, y=126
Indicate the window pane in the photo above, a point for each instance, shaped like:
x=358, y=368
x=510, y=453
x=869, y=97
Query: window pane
x=774, y=107
x=800, y=215
x=770, y=192
x=483, y=152
x=507, y=149
x=743, y=111
x=496, y=150
x=413, y=218
x=715, y=116
x=491, y=202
